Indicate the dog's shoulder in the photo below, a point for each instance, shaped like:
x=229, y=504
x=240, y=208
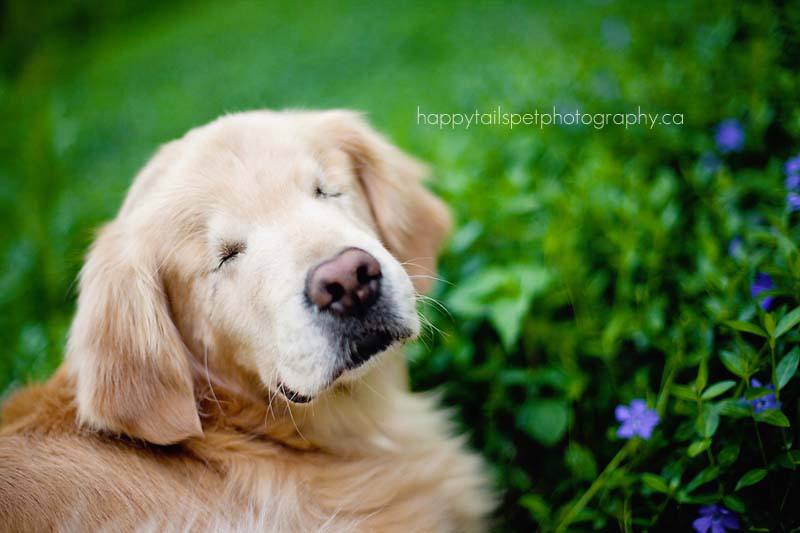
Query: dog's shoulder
x=39, y=481
x=82, y=482
x=55, y=475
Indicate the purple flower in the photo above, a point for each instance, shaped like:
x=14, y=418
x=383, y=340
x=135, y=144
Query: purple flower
x=729, y=136
x=762, y=403
x=735, y=247
x=792, y=166
x=792, y=182
x=793, y=201
x=762, y=283
x=636, y=420
x=716, y=519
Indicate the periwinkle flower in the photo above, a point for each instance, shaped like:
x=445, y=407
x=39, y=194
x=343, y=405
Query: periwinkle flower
x=729, y=136
x=762, y=403
x=636, y=419
x=716, y=519
x=792, y=169
x=762, y=283
x=792, y=166
x=793, y=201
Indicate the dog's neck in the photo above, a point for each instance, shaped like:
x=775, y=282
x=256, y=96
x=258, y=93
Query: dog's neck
x=361, y=410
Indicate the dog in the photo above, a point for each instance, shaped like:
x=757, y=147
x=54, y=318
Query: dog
x=235, y=361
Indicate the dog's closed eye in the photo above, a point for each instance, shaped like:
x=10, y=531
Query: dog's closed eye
x=320, y=192
x=228, y=251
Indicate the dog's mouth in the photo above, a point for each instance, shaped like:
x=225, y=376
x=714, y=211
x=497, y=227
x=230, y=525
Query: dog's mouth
x=293, y=396
x=354, y=353
x=358, y=351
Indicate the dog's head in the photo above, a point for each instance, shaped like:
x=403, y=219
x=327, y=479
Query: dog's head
x=288, y=244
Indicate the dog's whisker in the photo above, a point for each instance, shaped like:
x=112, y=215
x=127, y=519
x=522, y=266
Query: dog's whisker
x=433, y=301
x=272, y=394
x=291, y=416
x=364, y=382
x=208, y=380
x=428, y=325
x=412, y=262
x=435, y=278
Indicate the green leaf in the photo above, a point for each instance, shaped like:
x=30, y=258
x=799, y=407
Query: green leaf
x=717, y=389
x=698, y=447
x=769, y=324
x=789, y=460
x=735, y=362
x=746, y=327
x=536, y=506
x=785, y=460
x=544, y=420
x=469, y=298
x=707, y=474
x=580, y=462
x=683, y=392
x=506, y=316
x=502, y=294
x=654, y=482
x=774, y=417
x=734, y=408
x=728, y=455
x=702, y=377
x=734, y=503
x=757, y=392
x=786, y=323
x=710, y=421
x=751, y=478
x=794, y=456
x=787, y=367
x=700, y=499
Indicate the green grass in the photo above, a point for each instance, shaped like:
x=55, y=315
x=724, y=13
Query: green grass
x=588, y=267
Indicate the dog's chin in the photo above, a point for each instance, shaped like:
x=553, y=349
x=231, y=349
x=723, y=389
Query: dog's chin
x=355, y=359
x=359, y=351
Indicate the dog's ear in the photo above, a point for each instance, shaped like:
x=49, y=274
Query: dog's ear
x=130, y=363
x=412, y=221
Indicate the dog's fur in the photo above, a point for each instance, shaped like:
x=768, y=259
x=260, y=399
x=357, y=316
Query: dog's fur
x=166, y=414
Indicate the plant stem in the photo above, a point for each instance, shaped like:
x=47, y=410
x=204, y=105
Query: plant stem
x=774, y=371
x=755, y=423
x=654, y=520
x=626, y=515
x=663, y=396
x=761, y=445
x=596, y=485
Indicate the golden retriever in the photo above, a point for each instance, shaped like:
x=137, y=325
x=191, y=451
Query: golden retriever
x=235, y=360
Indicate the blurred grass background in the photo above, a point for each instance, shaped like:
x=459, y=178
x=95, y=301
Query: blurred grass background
x=587, y=264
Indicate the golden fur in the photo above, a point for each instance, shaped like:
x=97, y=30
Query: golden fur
x=164, y=415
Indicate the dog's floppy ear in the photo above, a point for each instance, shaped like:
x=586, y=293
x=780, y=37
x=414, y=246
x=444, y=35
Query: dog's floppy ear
x=412, y=221
x=130, y=363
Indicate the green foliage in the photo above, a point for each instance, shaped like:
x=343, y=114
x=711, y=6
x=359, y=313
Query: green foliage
x=588, y=267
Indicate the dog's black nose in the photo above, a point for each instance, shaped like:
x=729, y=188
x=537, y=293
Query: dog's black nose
x=345, y=284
